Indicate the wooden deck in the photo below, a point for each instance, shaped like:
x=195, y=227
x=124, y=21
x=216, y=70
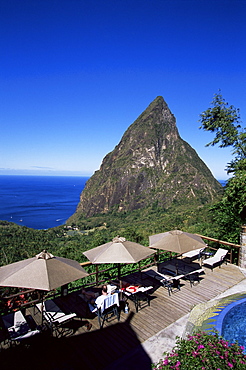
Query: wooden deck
x=99, y=349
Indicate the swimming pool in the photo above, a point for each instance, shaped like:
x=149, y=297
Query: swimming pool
x=227, y=316
x=231, y=322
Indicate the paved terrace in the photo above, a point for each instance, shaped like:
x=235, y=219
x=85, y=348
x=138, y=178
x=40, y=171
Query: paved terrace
x=127, y=344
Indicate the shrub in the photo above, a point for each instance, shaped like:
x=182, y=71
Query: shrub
x=203, y=351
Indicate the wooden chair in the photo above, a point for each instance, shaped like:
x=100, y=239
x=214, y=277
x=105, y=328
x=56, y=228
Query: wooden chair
x=195, y=253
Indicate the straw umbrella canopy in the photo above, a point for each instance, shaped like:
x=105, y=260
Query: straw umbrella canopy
x=42, y=272
x=119, y=250
x=176, y=241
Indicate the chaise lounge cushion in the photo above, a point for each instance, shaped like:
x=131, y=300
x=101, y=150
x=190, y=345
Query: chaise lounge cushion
x=217, y=258
x=53, y=314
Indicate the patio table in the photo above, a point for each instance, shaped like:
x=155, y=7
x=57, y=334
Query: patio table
x=137, y=295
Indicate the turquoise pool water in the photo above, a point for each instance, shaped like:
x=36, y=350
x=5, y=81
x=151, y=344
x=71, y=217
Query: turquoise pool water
x=226, y=315
x=231, y=322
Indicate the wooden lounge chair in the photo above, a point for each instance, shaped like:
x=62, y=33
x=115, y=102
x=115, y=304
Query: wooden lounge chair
x=17, y=327
x=54, y=315
x=186, y=272
x=218, y=258
x=105, y=308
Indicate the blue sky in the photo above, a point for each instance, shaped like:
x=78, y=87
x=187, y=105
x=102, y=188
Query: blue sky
x=75, y=74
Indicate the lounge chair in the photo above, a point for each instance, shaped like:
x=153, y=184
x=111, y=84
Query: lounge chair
x=218, y=258
x=17, y=326
x=186, y=272
x=194, y=276
x=106, y=307
x=169, y=282
x=195, y=253
x=53, y=314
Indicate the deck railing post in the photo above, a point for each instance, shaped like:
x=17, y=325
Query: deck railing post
x=97, y=275
x=242, y=252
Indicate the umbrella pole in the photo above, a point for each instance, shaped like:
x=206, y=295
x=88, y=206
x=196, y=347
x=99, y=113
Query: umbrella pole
x=119, y=278
x=177, y=268
x=42, y=308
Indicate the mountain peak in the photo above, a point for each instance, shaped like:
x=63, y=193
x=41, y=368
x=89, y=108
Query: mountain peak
x=150, y=165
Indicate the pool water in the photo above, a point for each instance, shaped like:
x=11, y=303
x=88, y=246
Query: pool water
x=227, y=316
x=231, y=322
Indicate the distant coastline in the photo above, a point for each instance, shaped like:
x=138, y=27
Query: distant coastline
x=41, y=202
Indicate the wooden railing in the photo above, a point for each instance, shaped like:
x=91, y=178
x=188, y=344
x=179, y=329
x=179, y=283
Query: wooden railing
x=228, y=244
x=219, y=241
x=107, y=272
x=106, y=275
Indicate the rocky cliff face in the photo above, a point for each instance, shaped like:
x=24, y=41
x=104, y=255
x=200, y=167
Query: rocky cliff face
x=151, y=166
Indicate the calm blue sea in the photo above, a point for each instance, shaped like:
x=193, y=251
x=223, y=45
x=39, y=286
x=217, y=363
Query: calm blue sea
x=39, y=202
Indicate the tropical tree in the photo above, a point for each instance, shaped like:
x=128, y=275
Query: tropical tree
x=224, y=120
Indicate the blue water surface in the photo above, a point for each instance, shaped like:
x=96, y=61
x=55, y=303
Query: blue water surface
x=234, y=324
x=231, y=322
x=39, y=202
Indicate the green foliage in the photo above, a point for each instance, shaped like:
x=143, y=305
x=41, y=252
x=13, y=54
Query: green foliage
x=224, y=120
x=205, y=352
x=18, y=242
x=230, y=212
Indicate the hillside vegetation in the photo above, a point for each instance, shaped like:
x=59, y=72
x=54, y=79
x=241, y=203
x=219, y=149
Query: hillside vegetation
x=19, y=242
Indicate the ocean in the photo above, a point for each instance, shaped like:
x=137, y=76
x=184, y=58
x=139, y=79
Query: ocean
x=39, y=202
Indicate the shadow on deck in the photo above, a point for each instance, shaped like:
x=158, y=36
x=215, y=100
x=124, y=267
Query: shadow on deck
x=119, y=344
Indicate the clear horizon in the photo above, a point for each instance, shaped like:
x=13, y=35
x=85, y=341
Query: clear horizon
x=75, y=75
x=58, y=175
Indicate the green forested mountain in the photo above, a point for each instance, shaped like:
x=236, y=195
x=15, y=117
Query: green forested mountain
x=152, y=166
